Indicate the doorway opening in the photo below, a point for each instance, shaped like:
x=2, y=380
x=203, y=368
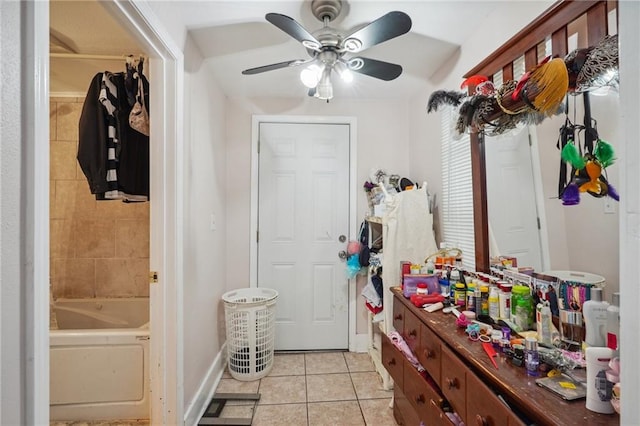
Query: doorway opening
x=165, y=64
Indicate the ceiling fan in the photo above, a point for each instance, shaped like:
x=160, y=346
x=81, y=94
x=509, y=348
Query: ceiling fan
x=329, y=49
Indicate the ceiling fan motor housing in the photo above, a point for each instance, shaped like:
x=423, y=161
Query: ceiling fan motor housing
x=326, y=9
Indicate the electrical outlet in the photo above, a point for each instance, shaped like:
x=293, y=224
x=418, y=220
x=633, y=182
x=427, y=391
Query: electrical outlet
x=609, y=206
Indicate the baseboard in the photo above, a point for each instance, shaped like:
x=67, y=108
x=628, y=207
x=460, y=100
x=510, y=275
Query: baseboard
x=207, y=388
x=360, y=343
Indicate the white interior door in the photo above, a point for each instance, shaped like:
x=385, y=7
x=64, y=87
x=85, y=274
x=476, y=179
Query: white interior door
x=303, y=210
x=511, y=198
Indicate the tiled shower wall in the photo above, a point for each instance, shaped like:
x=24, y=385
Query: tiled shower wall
x=97, y=248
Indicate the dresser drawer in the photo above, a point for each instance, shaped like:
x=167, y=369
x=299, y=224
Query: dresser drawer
x=393, y=360
x=438, y=416
x=483, y=406
x=398, y=315
x=403, y=411
x=453, y=381
x=411, y=333
x=514, y=420
x=429, y=354
x=420, y=393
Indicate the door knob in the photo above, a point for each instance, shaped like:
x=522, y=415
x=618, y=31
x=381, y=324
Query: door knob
x=342, y=238
x=342, y=254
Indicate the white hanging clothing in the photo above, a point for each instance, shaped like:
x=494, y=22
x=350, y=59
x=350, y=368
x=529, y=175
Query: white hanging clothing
x=407, y=228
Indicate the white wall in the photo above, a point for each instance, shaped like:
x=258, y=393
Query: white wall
x=24, y=270
x=383, y=141
x=629, y=154
x=399, y=136
x=583, y=237
x=205, y=185
x=492, y=32
x=11, y=256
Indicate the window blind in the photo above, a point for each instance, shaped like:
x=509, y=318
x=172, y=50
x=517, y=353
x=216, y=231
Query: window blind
x=457, y=191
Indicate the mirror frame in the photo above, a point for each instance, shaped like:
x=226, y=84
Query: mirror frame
x=551, y=23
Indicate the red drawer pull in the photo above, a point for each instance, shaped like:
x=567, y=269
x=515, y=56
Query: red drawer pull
x=429, y=353
x=413, y=333
x=391, y=362
x=452, y=383
x=420, y=399
x=398, y=317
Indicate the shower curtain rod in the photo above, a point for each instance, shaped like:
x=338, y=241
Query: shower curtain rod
x=87, y=56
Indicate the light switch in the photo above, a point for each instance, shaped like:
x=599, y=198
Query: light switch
x=609, y=206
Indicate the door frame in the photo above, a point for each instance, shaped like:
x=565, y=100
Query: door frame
x=536, y=177
x=305, y=119
x=166, y=235
x=536, y=165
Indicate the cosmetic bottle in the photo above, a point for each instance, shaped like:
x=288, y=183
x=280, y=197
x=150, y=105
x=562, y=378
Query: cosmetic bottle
x=531, y=356
x=505, y=300
x=544, y=323
x=594, y=312
x=598, y=387
x=613, y=324
x=494, y=304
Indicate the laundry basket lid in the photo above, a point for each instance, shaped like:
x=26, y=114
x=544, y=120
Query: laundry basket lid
x=254, y=296
x=578, y=277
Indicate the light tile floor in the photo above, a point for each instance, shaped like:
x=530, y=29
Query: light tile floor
x=314, y=389
x=305, y=389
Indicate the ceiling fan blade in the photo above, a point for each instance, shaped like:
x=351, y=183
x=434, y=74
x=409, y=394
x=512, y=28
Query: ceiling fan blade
x=272, y=67
x=388, y=26
x=294, y=29
x=374, y=68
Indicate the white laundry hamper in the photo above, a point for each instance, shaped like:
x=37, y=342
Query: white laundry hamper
x=250, y=315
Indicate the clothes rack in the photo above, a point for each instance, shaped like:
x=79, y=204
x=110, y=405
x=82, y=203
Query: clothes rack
x=89, y=56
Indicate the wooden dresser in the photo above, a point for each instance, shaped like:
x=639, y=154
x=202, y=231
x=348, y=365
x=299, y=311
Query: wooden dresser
x=460, y=376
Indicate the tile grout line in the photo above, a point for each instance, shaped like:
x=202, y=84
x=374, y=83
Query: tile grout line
x=306, y=388
x=364, y=420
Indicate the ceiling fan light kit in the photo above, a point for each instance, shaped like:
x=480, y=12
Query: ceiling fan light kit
x=328, y=48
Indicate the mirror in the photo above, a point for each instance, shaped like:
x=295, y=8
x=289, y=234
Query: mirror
x=522, y=188
x=522, y=172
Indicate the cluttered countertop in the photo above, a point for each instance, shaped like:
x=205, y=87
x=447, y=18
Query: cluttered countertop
x=518, y=389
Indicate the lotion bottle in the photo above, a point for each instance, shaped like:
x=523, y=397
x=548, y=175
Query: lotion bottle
x=613, y=324
x=598, y=387
x=594, y=312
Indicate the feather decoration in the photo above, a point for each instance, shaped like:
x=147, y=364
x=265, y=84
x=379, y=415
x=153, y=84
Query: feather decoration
x=463, y=122
x=552, y=81
x=571, y=195
x=571, y=155
x=444, y=97
x=530, y=118
x=594, y=185
x=525, y=78
x=613, y=193
x=604, y=153
x=467, y=111
x=474, y=80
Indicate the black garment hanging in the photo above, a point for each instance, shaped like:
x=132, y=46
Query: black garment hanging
x=130, y=147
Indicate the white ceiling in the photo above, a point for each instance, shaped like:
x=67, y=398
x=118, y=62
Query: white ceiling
x=233, y=35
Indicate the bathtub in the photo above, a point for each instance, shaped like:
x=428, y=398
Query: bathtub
x=99, y=359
